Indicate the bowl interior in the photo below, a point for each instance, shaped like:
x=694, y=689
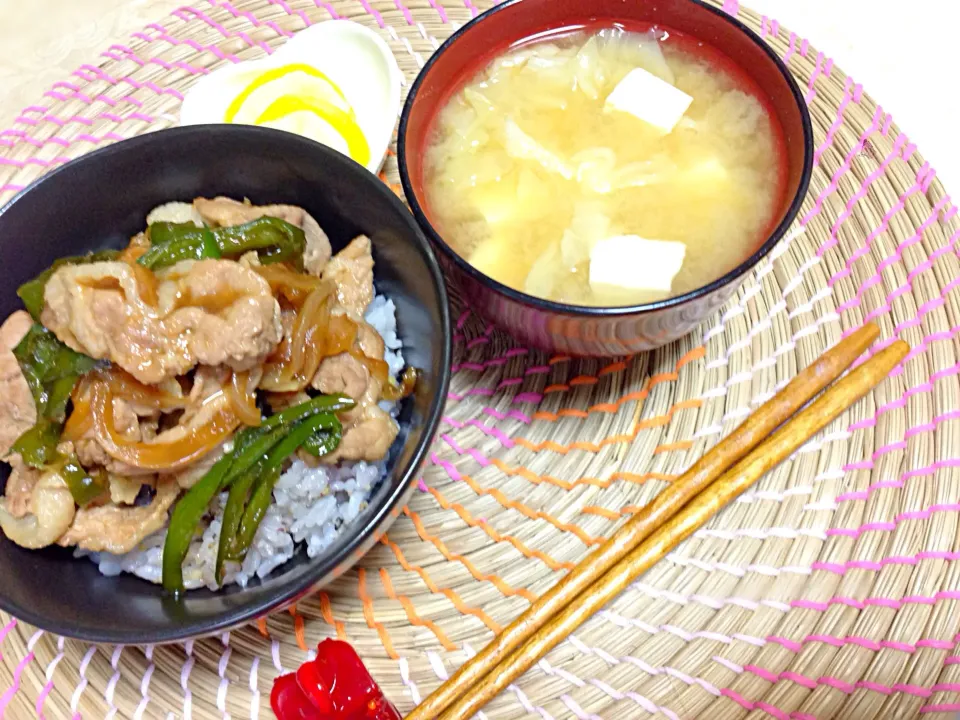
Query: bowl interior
x=476, y=44
x=102, y=199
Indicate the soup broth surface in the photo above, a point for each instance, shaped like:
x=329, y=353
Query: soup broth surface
x=526, y=172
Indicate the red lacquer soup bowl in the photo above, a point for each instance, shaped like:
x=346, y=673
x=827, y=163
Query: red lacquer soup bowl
x=603, y=331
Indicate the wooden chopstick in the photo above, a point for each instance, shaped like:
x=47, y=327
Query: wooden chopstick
x=756, y=428
x=804, y=425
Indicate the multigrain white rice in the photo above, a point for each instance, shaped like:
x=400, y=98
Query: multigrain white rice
x=312, y=506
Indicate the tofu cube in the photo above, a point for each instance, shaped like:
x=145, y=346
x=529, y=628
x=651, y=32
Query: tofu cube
x=648, y=98
x=627, y=269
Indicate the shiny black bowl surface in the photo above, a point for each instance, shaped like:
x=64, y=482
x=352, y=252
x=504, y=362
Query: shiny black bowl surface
x=573, y=329
x=99, y=201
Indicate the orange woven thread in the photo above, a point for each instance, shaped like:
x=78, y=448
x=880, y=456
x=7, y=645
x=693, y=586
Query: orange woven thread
x=670, y=447
x=584, y=380
x=529, y=512
x=618, y=366
x=694, y=354
x=566, y=412
x=602, y=512
x=412, y=615
x=495, y=580
x=564, y=449
x=655, y=421
x=393, y=186
x=411, y=611
x=326, y=611
x=608, y=407
x=497, y=536
x=262, y=627
x=527, y=474
x=298, y=628
x=637, y=395
x=645, y=477
x=611, y=514
x=658, y=420
x=451, y=595
x=369, y=616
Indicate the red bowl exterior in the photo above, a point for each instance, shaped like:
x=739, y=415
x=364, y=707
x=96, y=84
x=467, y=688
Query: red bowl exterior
x=572, y=329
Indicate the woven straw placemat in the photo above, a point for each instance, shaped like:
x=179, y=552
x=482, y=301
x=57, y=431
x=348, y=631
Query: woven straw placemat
x=829, y=591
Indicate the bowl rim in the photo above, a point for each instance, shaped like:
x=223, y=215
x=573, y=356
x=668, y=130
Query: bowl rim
x=324, y=564
x=553, y=306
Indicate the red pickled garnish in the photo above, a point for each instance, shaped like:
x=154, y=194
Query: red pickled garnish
x=289, y=702
x=342, y=671
x=310, y=682
x=381, y=709
x=335, y=686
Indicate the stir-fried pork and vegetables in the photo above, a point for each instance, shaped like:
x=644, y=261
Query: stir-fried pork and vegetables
x=192, y=407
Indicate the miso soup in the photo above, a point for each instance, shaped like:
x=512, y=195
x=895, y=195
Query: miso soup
x=606, y=167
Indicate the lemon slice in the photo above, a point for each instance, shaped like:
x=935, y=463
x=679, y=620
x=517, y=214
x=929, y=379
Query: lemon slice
x=296, y=79
x=343, y=123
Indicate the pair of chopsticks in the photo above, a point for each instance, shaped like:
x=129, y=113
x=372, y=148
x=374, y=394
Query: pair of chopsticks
x=731, y=467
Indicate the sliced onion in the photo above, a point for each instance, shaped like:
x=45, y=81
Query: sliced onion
x=169, y=455
x=243, y=399
x=293, y=286
x=379, y=369
x=294, y=364
x=341, y=335
x=146, y=280
x=314, y=346
x=123, y=385
x=80, y=421
x=408, y=383
x=146, y=284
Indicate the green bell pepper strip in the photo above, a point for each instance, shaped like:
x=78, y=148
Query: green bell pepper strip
x=235, y=464
x=164, y=233
x=191, y=243
x=256, y=510
x=246, y=458
x=324, y=441
x=184, y=519
x=321, y=403
x=297, y=436
x=84, y=487
x=38, y=445
x=58, y=394
x=240, y=489
x=275, y=240
x=38, y=448
x=31, y=292
x=232, y=514
x=51, y=369
x=191, y=508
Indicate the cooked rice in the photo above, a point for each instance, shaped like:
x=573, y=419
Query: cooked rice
x=312, y=506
